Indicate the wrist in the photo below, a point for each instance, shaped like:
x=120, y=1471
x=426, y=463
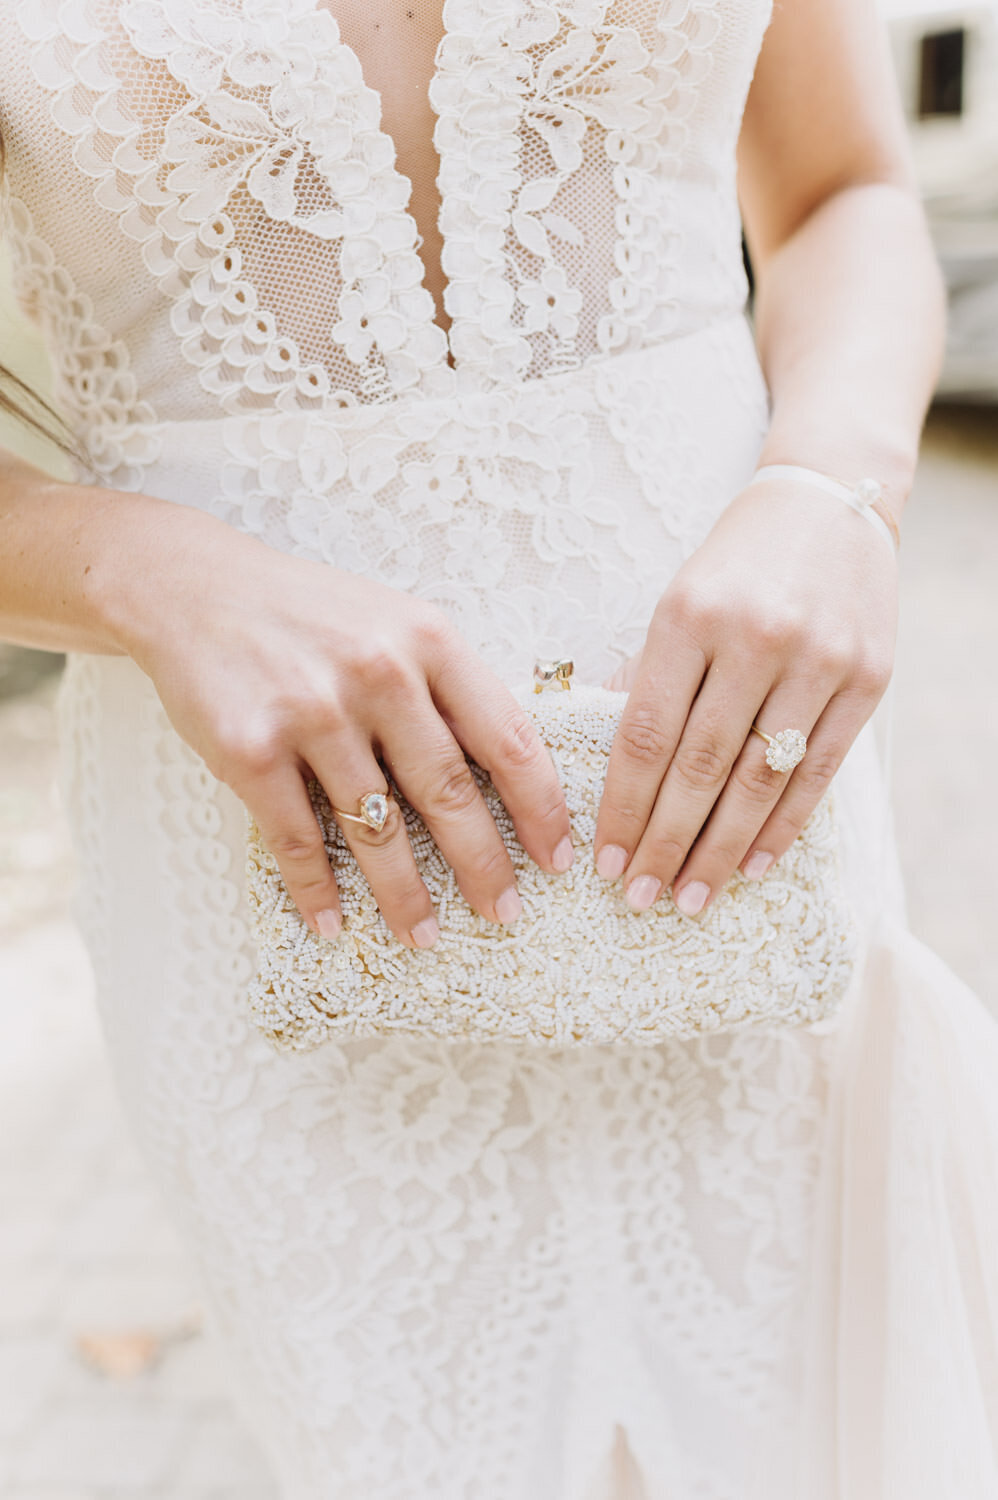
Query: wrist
x=150, y=560
x=834, y=438
x=864, y=496
x=893, y=469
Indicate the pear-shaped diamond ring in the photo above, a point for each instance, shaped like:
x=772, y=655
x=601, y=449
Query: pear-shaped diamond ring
x=373, y=810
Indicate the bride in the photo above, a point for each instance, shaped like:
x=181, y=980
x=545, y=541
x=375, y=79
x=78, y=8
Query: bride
x=401, y=347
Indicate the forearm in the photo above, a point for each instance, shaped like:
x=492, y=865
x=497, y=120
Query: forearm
x=849, y=322
x=85, y=569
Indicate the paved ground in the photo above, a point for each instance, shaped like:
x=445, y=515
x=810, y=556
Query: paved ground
x=85, y=1253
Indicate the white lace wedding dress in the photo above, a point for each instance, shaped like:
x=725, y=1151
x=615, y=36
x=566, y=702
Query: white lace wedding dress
x=755, y=1266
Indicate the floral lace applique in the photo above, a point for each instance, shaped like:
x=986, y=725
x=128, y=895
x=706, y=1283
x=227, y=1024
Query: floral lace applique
x=562, y=130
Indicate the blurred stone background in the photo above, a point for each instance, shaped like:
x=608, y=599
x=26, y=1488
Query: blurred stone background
x=109, y=1388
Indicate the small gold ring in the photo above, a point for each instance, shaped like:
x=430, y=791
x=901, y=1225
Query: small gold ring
x=785, y=749
x=373, y=810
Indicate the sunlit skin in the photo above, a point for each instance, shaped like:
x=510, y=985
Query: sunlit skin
x=273, y=667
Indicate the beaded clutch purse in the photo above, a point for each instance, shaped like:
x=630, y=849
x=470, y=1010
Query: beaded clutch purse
x=579, y=966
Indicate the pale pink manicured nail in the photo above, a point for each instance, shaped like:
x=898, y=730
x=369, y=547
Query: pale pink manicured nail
x=426, y=932
x=563, y=856
x=611, y=862
x=692, y=898
x=757, y=864
x=329, y=923
x=643, y=892
x=509, y=905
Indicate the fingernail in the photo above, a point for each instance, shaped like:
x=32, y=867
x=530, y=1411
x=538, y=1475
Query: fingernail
x=692, y=898
x=643, y=892
x=509, y=905
x=426, y=932
x=563, y=856
x=757, y=864
x=611, y=862
x=329, y=923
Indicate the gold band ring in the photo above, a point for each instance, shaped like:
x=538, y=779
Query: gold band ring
x=784, y=750
x=373, y=810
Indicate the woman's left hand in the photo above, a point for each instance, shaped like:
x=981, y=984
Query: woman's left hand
x=785, y=617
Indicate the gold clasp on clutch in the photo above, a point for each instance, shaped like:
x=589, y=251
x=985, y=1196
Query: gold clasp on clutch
x=553, y=674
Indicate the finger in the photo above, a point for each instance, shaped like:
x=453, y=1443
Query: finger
x=827, y=747
x=288, y=826
x=500, y=736
x=753, y=789
x=650, y=731
x=698, y=772
x=384, y=855
x=625, y=676
x=431, y=770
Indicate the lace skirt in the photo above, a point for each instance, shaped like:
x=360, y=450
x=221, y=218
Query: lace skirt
x=732, y=1267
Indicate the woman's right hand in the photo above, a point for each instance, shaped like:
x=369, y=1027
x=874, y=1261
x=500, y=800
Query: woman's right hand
x=276, y=669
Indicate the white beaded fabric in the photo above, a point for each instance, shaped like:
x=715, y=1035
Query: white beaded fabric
x=579, y=966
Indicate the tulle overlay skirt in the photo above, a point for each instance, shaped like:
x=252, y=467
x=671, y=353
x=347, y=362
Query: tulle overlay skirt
x=752, y=1267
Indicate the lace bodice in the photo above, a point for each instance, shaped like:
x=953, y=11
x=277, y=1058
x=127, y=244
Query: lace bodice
x=221, y=178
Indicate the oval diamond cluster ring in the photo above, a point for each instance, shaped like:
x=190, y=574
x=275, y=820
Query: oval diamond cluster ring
x=785, y=750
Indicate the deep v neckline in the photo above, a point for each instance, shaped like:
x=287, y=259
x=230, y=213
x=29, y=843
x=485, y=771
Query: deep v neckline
x=436, y=196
